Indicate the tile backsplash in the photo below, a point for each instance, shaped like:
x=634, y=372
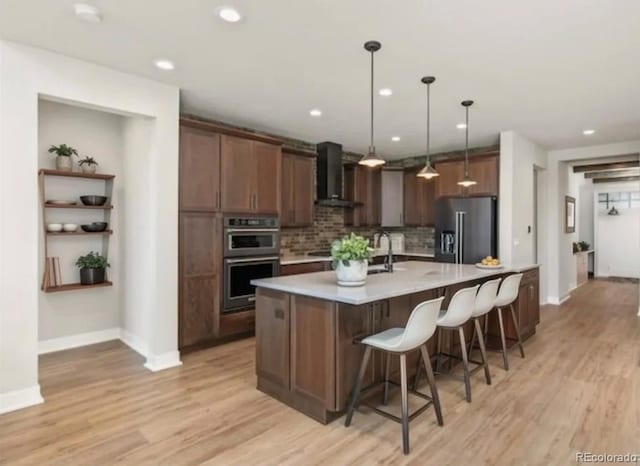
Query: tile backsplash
x=329, y=226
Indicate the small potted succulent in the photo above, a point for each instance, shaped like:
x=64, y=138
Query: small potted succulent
x=351, y=257
x=92, y=267
x=88, y=165
x=63, y=159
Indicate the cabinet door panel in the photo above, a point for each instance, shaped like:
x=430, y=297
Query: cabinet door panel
x=199, y=169
x=304, y=186
x=428, y=199
x=392, y=198
x=411, y=198
x=484, y=170
x=450, y=174
x=267, y=178
x=272, y=336
x=199, y=278
x=238, y=171
x=288, y=200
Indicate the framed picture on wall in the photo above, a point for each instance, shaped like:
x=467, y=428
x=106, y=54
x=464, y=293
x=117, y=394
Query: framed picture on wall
x=570, y=214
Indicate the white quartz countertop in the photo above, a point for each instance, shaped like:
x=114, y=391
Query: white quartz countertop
x=305, y=259
x=407, y=278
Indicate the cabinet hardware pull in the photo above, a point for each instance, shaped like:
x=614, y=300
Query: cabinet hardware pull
x=279, y=314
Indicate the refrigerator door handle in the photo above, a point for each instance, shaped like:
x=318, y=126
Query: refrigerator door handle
x=457, y=235
x=461, y=238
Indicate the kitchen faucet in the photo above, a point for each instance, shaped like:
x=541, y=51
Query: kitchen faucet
x=389, y=263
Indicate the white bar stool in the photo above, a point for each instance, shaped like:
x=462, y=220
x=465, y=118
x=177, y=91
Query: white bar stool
x=506, y=297
x=400, y=341
x=458, y=313
x=485, y=301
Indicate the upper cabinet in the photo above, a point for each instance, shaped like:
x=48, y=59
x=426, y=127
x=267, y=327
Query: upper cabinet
x=363, y=185
x=484, y=169
x=419, y=199
x=297, y=189
x=392, y=199
x=250, y=176
x=199, y=170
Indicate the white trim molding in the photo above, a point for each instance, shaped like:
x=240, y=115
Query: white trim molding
x=163, y=361
x=74, y=341
x=134, y=342
x=19, y=399
x=557, y=301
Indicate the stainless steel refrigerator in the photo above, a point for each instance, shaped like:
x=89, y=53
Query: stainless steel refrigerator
x=466, y=229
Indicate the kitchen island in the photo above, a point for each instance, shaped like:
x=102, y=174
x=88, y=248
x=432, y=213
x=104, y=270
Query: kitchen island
x=308, y=328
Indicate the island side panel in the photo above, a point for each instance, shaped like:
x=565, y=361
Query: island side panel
x=272, y=337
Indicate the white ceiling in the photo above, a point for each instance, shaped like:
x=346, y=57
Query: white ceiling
x=546, y=68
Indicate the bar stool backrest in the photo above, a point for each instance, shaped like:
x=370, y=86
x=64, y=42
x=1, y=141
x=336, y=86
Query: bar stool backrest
x=509, y=290
x=486, y=297
x=460, y=307
x=421, y=325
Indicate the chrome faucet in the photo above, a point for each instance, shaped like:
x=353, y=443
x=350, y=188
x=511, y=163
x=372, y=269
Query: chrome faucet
x=389, y=262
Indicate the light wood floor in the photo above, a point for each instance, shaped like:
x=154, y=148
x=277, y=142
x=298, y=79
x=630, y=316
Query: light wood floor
x=577, y=389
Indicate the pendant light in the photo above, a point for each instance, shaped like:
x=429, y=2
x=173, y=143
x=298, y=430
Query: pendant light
x=466, y=181
x=372, y=159
x=428, y=172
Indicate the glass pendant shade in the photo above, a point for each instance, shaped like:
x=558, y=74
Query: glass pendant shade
x=428, y=172
x=467, y=182
x=372, y=159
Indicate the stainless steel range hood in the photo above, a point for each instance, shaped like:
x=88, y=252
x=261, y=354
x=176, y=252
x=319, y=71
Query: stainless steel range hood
x=329, y=176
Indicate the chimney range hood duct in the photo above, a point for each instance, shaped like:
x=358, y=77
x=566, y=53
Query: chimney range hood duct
x=329, y=176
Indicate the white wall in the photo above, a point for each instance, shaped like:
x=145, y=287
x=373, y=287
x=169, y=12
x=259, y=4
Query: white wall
x=100, y=135
x=518, y=159
x=26, y=74
x=560, y=254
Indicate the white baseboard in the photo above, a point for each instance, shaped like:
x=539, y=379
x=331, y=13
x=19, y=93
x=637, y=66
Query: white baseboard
x=163, y=361
x=557, y=301
x=74, y=341
x=134, y=342
x=19, y=399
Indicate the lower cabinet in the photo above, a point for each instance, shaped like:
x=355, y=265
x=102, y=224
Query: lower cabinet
x=308, y=267
x=272, y=337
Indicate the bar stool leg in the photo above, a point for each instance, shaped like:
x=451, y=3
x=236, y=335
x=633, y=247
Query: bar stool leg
x=465, y=363
x=416, y=379
x=504, y=340
x=486, y=328
x=483, y=350
x=517, y=327
x=385, y=393
x=405, y=404
x=439, y=351
x=355, y=394
x=432, y=383
x=473, y=337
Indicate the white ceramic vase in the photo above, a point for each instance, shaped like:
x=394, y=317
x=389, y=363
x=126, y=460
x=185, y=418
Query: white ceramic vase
x=64, y=163
x=86, y=168
x=354, y=274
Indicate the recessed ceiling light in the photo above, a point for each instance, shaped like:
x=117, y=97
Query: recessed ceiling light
x=385, y=92
x=461, y=126
x=229, y=14
x=163, y=64
x=88, y=13
x=316, y=112
x=395, y=138
x=588, y=132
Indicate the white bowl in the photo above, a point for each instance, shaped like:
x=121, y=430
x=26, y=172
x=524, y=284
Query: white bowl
x=70, y=227
x=54, y=227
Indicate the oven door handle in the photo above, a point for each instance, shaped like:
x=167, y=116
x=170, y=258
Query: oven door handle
x=252, y=259
x=252, y=230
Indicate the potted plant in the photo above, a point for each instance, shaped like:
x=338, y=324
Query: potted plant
x=351, y=257
x=63, y=159
x=88, y=165
x=92, y=268
x=584, y=246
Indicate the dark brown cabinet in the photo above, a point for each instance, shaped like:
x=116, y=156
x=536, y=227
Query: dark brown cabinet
x=363, y=185
x=528, y=303
x=250, y=176
x=419, y=199
x=483, y=168
x=200, y=280
x=272, y=337
x=297, y=190
x=199, y=169
x=309, y=267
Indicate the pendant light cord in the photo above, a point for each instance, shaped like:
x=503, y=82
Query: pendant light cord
x=428, y=123
x=371, y=144
x=466, y=144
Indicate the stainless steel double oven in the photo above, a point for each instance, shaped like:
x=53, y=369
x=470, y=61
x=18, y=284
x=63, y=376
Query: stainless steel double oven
x=251, y=251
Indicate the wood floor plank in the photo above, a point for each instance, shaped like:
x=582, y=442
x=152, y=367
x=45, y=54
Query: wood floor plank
x=577, y=389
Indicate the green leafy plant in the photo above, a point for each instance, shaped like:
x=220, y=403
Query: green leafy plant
x=584, y=246
x=576, y=247
x=352, y=247
x=63, y=150
x=93, y=260
x=88, y=160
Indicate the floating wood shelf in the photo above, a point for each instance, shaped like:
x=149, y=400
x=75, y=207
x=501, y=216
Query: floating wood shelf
x=90, y=176
x=79, y=233
x=78, y=206
x=75, y=286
